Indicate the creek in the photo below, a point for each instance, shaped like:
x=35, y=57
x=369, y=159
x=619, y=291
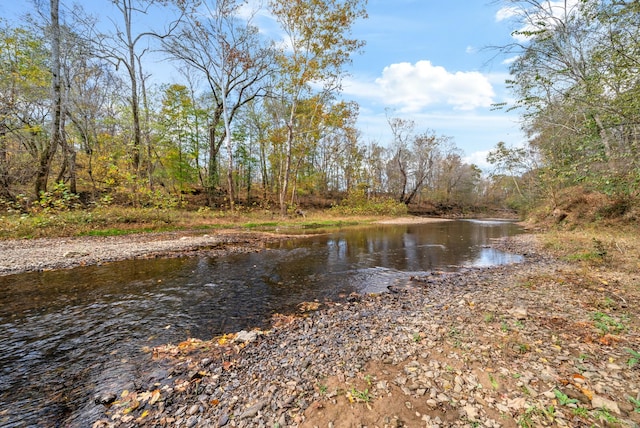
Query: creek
x=68, y=335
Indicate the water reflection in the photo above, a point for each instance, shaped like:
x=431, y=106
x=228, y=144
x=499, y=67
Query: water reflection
x=66, y=335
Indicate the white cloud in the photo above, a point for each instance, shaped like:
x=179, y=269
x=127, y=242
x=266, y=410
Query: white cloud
x=479, y=159
x=413, y=87
x=510, y=60
x=506, y=13
x=542, y=14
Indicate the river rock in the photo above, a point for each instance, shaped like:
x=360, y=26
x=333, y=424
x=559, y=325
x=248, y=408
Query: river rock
x=253, y=410
x=246, y=336
x=598, y=402
x=105, y=398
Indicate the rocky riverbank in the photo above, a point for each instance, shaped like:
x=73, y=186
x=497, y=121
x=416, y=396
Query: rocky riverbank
x=28, y=255
x=541, y=343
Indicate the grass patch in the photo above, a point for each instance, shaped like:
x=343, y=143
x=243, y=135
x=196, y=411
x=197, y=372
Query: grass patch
x=123, y=232
x=116, y=221
x=357, y=395
x=608, y=324
x=263, y=225
x=615, y=247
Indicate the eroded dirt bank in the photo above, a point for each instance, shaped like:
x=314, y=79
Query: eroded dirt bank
x=542, y=343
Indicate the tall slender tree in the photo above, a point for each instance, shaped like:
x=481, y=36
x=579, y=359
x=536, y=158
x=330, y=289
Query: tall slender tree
x=229, y=52
x=49, y=149
x=316, y=49
x=125, y=48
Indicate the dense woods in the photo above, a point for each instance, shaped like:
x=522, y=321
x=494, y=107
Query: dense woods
x=576, y=81
x=252, y=121
x=86, y=118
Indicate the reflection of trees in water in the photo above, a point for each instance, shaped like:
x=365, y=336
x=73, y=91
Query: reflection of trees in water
x=118, y=307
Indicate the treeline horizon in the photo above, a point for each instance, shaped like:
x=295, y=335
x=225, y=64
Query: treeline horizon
x=248, y=123
x=260, y=122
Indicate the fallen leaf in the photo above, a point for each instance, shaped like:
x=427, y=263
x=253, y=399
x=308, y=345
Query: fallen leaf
x=588, y=393
x=144, y=396
x=224, y=339
x=155, y=396
x=309, y=306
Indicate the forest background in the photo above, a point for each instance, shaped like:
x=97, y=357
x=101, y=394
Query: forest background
x=258, y=124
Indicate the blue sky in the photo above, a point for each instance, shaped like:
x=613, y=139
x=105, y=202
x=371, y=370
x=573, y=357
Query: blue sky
x=425, y=60
x=428, y=61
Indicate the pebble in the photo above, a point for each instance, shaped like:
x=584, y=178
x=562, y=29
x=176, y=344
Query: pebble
x=429, y=347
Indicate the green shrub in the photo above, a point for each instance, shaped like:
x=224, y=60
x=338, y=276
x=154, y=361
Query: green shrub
x=59, y=198
x=358, y=203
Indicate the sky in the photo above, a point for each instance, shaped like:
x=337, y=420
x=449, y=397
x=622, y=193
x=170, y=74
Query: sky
x=427, y=61
x=431, y=62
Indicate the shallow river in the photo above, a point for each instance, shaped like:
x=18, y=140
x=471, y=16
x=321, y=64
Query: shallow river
x=68, y=335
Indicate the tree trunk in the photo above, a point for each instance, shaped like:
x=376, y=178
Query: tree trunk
x=213, y=176
x=287, y=170
x=47, y=153
x=147, y=140
x=227, y=139
x=5, y=191
x=135, y=107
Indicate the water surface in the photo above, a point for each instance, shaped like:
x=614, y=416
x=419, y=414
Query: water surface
x=67, y=335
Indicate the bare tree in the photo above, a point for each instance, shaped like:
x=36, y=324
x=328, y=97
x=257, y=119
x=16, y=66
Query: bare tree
x=414, y=157
x=123, y=48
x=229, y=53
x=318, y=49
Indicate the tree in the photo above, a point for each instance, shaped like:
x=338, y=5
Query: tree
x=575, y=79
x=229, y=53
x=337, y=161
x=374, y=172
x=316, y=49
x=179, y=137
x=123, y=48
x=25, y=89
x=46, y=156
x=414, y=157
x=89, y=87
